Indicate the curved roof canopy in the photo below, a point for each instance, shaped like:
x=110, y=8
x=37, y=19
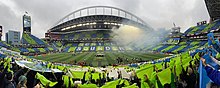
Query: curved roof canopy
x=100, y=10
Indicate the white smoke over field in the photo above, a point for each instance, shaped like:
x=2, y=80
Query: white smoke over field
x=135, y=37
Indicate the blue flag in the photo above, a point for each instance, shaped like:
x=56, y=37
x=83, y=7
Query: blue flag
x=209, y=61
x=210, y=36
x=203, y=78
x=211, y=41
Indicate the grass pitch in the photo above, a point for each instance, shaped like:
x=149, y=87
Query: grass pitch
x=108, y=59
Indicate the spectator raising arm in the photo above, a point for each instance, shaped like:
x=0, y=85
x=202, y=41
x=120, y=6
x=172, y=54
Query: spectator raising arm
x=214, y=75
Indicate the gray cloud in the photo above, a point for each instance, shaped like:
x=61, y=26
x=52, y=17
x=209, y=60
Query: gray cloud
x=129, y=5
x=8, y=19
x=185, y=13
x=157, y=13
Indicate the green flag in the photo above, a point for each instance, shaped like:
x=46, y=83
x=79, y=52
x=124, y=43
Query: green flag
x=44, y=80
x=218, y=56
x=159, y=65
x=178, y=66
x=165, y=76
x=87, y=86
x=132, y=86
x=172, y=62
x=8, y=63
x=65, y=79
x=145, y=70
x=71, y=83
x=111, y=84
x=61, y=68
x=153, y=77
x=126, y=83
x=144, y=85
x=88, y=76
x=78, y=74
x=95, y=76
x=144, y=65
x=48, y=65
x=197, y=56
x=186, y=58
x=172, y=81
x=151, y=80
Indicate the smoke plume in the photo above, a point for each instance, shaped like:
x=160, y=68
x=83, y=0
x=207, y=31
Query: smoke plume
x=137, y=38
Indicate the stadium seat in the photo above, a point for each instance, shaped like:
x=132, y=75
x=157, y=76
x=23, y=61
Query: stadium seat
x=37, y=40
x=23, y=50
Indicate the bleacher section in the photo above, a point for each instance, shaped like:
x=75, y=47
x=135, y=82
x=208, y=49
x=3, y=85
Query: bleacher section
x=37, y=40
x=92, y=47
x=31, y=39
x=172, y=41
x=186, y=42
x=26, y=39
x=36, y=50
x=4, y=44
x=32, y=44
x=84, y=35
x=94, y=41
x=201, y=29
x=178, y=48
x=24, y=50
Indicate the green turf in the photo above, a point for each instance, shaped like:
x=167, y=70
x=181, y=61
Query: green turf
x=91, y=59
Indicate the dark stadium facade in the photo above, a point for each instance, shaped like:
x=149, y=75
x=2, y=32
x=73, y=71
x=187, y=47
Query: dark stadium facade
x=213, y=7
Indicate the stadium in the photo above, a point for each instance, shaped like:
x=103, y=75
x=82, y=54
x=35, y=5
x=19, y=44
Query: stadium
x=84, y=34
x=108, y=47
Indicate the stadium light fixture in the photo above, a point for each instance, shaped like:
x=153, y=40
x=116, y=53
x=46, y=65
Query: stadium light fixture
x=120, y=24
x=68, y=27
x=73, y=26
x=94, y=23
x=63, y=29
x=84, y=24
x=79, y=25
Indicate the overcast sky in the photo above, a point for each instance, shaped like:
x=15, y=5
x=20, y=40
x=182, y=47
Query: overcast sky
x=157, y=13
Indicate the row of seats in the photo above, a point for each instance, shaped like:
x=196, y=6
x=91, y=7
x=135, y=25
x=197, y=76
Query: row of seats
x=203, y=28
x=93, y=48
x=31, y=39
x=99, y=46
x=178, y=48
x=4, y=44
x=47, y=49
x=59, y=44
x=39, y=41
x=26, y=39
x=172, y=41
x=84, y=35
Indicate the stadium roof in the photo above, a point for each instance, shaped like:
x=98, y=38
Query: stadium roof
x=213, y=7
x=99, y=10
